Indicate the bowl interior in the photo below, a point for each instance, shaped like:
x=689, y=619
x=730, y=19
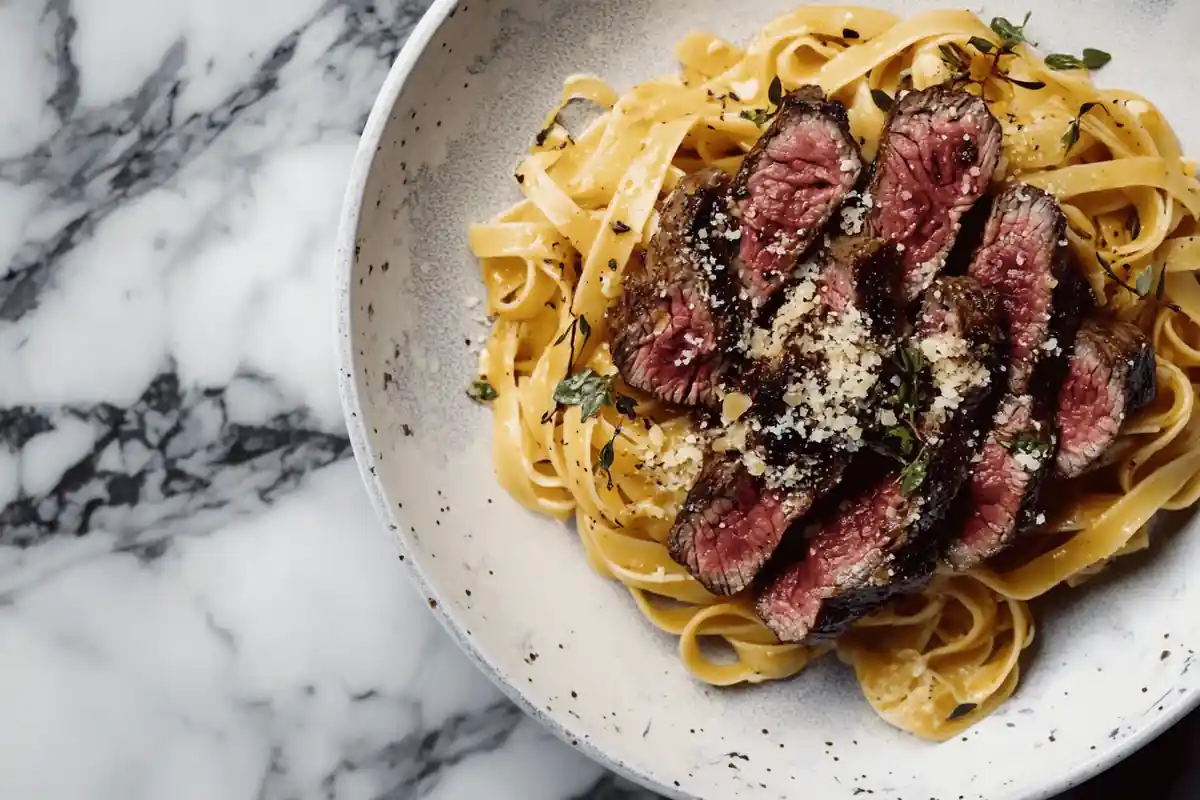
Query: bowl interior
x=1112, y=664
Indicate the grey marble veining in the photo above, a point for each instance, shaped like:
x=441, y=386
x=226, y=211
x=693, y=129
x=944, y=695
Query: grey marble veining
x=178, y=514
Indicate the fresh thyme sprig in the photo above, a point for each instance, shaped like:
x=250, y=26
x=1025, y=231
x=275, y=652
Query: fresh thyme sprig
x=762, y=116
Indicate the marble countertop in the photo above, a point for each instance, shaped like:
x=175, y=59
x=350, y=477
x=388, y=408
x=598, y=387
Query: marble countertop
x=179, y=509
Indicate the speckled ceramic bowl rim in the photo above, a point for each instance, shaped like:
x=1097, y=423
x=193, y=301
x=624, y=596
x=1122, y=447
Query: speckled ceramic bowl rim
x=352, y=206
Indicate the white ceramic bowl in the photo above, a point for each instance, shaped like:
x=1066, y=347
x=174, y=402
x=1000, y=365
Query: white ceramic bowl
x=458, y=110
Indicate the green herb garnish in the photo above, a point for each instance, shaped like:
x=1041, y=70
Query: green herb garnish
x=1035, y=85
x=912, y=476
x=481, y=391
x=1071, y=137
x=1092, y=59
x=775, y=91
x=1112, y=275
x=1029, y=444
x=620, y=227
x=591, y=392
x=625, y=405
x=583, y=327
x=1011, y=35
x=607, y=456
x=1143, y=283
x=762, y=116
x=612, y=264
x=981, y=44
x=586, y=389
x=759, y=116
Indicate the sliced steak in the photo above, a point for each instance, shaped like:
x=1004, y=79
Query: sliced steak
x=937, y=156
x=672, y=327
x=814, y=375
x=732, y=522
x=791, y=448
x=790, y=184
x=877, y=544
x=1111, y=375
x=1000, y=500
x=1024, y=257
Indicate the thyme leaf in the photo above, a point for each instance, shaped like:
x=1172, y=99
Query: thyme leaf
x=1092, y=59
x=1060, y=62
x=759, y=116
x=626, y=406
x=1071, y=137
x=586, y=389
x=1095, y=59
x=583, y=327
x=1034, y=85
x=958, y=61
x=608, y=455
x=1029, y=444
x=1011, y=35
x=775, y=91
x=912, y=476
x=481, y=391
x=981, y=44
x=1112, y=275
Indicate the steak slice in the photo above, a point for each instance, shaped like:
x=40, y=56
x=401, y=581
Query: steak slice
x=876, y=545
x=1001, y=498
x=814, y=375
x=1024, y=257
x=792, y=447
x=790, y=184
x=1111, y=375
x=672, y=327
x=935, y=161
x=732, y=522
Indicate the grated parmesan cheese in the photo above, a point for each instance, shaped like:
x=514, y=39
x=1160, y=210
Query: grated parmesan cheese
x=734, y=406
x=954, y=372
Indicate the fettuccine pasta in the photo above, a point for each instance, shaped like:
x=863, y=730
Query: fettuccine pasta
x=938, y=662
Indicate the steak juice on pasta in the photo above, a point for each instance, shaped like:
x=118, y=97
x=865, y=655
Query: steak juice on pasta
x=853, y=340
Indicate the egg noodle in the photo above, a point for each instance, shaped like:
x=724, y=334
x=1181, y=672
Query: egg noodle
x=935, y=663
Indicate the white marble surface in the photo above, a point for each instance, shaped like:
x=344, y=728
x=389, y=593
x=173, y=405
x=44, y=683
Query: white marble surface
x=195, y=599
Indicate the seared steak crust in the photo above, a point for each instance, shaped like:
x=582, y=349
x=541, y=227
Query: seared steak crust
x=936, y=158
x=790, y=184
x=675, y=325
x=877, y=545
x=1111, y=376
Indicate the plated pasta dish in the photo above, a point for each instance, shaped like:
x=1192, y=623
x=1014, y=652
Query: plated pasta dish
x=850, y=342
